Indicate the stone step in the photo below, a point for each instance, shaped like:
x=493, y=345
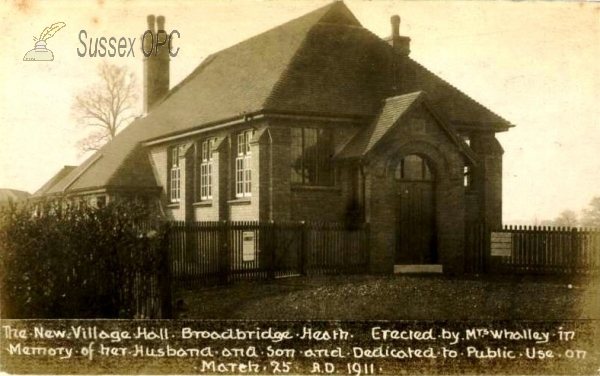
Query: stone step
x=419, y=268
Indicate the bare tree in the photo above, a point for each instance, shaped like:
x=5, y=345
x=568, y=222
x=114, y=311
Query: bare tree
x=567, y=218
x=108, y=106
x=591, y=215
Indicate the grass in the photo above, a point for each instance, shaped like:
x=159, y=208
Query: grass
x=398, y=297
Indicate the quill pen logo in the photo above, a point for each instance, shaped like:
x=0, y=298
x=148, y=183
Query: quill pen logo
x=40, y=52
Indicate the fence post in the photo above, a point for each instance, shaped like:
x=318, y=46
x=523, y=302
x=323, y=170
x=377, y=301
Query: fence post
x=468, y=254
x=345, y=236
x=303, y=251
x=224, y=250
x=573, y=255
x=164, y=276
x=367, y=245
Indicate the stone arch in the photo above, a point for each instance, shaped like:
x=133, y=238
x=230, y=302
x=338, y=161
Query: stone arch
x=446, y=163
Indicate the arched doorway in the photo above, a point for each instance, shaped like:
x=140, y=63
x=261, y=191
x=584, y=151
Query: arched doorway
x=416, y=241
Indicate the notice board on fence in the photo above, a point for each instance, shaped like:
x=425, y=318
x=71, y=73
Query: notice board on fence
x=501, y=244
x=248, y=253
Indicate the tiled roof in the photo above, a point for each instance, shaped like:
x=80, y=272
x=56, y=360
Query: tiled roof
x=458, y=108
x=322, y=63
x=7, y=195
x=238, y=80
x=53, y=181
x=340, y=70
x=392, y=110
x=391, y=114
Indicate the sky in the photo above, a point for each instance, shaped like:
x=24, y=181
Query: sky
x=533, y=63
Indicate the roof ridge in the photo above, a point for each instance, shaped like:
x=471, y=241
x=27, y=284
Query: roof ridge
x=13, y=190
x=468, y=97
x=211, y=57
x=415, y=93
x=55, y=180
x=93, y=159
x=366, y=138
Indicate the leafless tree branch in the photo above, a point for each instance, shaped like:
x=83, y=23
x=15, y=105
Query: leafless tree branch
x=108, y=106
x=93, y=141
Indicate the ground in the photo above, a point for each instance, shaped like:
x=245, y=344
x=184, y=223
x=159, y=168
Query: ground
x=398, y=298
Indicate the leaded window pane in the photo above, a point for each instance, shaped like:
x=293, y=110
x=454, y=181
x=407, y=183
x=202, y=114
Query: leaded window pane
x=311, y=156
x=243, y=176
x=414, y=168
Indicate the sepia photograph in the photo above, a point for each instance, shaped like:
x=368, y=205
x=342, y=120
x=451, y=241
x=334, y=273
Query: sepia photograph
x=300, y=187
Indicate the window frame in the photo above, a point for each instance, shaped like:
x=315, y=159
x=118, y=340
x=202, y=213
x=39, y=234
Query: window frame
x=468, y=177
x=206, y=169
x=175, y=174
x=243, y=164
x=319, y=156
x=402, y=172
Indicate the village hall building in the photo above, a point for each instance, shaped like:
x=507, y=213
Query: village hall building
x=315, y=120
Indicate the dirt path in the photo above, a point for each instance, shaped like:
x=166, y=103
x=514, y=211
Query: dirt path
x=397, y=298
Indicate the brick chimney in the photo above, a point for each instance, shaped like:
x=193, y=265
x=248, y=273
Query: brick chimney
x=400, y=74
x=156, y=66
x=400, y=44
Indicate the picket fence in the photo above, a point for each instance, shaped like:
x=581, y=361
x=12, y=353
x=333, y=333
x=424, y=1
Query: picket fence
x=532, y=250
x=208, y=253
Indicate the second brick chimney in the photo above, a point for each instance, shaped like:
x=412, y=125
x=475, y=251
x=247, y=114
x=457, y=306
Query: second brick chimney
x=401, y=44
x=156, y=66
x=400, y=74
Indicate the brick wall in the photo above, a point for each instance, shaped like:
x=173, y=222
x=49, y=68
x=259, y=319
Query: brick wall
x=446, y=161
x=317, y=204
x=278, y=198
x=275, y=198
x=488, y=177
x=242, y=211
x=207, y=212
x=158, y=158
x=308, y=203
x=472, y=207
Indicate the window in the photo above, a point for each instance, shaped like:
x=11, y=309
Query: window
x=100, y=202
x=206, y=156
x=467, y=178
x=467, y=139
x=175, y=175
x=243, y=168
x=413, y=168
x=312, y=149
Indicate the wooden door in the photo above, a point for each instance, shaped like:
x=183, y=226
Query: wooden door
x=416, y=224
